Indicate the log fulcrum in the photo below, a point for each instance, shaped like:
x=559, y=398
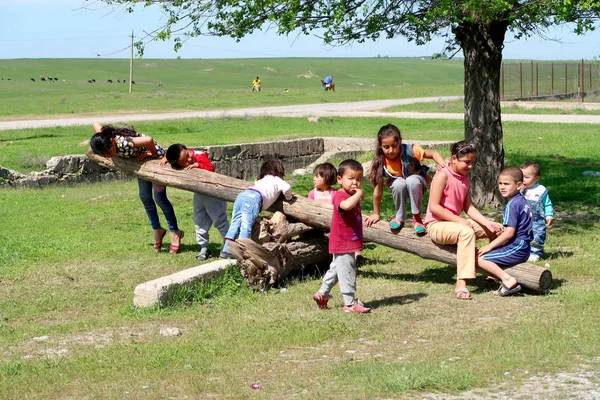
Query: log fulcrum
x=310, y=212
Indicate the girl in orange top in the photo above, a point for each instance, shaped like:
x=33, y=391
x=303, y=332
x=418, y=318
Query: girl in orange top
x=392, y=163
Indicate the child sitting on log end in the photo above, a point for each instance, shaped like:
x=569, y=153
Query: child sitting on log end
x=125, y=142
x=345, y=238
x=252, y=201
x=207, y=210
x=512, y=246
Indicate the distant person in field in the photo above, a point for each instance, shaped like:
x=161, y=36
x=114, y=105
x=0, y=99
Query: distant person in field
x=207, y=210
x=327, y=83
x=395, y=164
x=543, y=212
x=256, y=85
x=125, y=142
x=512, y=246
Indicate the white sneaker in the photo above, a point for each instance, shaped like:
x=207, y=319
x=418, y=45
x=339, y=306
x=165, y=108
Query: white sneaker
x=534, y=258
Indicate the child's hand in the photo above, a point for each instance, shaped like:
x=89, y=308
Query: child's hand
x=370, y=220
x=194, y=165
x=464, y=222
x=484, y=249
x=495, y=227
x=549, y=221
x=163, y=161
x=143, y=156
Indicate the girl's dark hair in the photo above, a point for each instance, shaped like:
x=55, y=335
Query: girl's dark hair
x=326, y=171
x=101, y=142
x=462, y=148
x=272, y=167
x=385, y=131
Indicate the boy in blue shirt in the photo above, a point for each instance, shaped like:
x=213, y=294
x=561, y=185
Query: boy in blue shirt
x=543, y=213
x=512, y=246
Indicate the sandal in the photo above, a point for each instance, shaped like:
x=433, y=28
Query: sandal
x=504, y=290
x=158, y=245
x=174, y=249
x=395, y=224
x=463, y=294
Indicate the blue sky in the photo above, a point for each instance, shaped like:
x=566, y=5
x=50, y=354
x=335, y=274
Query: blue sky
x=80, y=29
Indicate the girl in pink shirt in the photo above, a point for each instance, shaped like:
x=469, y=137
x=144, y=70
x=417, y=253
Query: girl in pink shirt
x=324, y=176
x=448, y=198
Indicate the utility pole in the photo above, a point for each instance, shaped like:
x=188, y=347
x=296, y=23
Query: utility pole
x=131, y=65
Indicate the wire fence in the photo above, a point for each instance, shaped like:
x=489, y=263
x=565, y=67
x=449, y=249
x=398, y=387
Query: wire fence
x=538, y=80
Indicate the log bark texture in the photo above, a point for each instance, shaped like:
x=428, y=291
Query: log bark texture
x=313, y=213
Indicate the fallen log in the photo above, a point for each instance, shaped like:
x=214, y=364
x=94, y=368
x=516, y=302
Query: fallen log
x=312, y=213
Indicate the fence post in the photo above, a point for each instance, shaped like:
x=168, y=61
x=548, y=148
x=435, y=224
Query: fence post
x=531, y=73
x=582, y=80
x=521, y=80
x=537, y=79
x=566, y=78
x=591, y=77
x=552, y=79
x=503, y=80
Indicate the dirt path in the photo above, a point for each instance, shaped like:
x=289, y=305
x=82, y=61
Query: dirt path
x=353, y=109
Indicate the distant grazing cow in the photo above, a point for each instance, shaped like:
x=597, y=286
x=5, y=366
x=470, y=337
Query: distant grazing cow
x=42, y=79
x=133, y=82
x=118, y=81
x=110, y=81
x=32, y=80
x=90, y=81
x=55, y=79
x=160, y=84
x=49, y=78
x=93, y=80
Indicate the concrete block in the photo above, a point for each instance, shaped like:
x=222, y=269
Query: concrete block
x=159, y=290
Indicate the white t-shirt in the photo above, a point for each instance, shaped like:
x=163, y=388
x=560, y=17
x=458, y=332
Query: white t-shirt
x=269, y=187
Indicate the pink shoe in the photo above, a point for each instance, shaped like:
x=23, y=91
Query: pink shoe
x=321, y=300
x=357, y=307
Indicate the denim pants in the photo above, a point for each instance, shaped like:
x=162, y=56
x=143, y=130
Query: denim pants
x=539, y=235
x=246, y=208
x=160, y=196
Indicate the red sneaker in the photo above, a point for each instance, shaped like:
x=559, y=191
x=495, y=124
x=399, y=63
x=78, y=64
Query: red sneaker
x=321, y=300
x=357, y=307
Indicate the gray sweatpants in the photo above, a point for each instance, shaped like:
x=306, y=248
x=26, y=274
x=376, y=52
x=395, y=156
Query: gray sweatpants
x=343, y=270
x=412, y=187
x=209, y=211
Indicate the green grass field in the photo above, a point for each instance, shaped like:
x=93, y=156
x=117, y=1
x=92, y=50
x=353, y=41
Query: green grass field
x=71, y=257
x=214, y=84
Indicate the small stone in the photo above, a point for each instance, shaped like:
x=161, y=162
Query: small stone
x=170, y=332
x=41, y=338
x=145, y=387
x=350, y=351
x=283, y=290
x=507, y=374
x=454, y=359
x=547, y=265
x=405, y=342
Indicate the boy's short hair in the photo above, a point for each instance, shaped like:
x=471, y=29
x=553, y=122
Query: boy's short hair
x=534, y=165
x=513, y=173
x=327, y=171
x=173, y=153
x=350, y=164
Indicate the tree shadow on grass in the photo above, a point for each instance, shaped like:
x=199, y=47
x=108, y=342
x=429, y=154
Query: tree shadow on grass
x=401, y=300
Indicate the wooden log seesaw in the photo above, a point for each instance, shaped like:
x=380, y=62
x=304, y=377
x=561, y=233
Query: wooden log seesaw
x=264, y=264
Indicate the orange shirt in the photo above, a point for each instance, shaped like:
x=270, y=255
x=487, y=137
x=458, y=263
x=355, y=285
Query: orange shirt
x=394, y=167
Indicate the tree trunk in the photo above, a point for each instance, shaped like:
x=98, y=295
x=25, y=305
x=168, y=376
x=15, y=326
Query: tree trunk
x=482, y=47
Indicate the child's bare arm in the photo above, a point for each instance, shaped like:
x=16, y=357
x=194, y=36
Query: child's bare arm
x=435, y=156
x=97, y=127
x=476, y=216
x=352, y=201
x=377, y=196
x=145, y=141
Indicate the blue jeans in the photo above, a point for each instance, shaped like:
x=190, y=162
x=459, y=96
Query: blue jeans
x=160, y=195
x=246, y=208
